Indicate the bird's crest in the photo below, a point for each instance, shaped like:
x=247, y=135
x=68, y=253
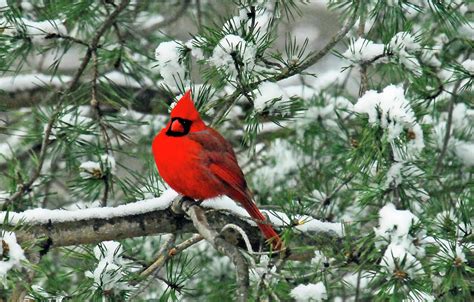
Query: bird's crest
x=185, y=108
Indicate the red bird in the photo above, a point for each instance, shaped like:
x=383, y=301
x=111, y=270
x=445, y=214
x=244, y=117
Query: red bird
x=197, y=162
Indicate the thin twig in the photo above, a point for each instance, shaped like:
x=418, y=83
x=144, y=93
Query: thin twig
x=449, y=122
x=364, y=80
x=66, y=37
x=154, y=267
x=199, y=13
x=170, y=252
x=328, y=199
x=107, y=177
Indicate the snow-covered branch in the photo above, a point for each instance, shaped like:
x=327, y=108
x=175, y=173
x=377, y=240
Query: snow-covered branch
x=56, y=228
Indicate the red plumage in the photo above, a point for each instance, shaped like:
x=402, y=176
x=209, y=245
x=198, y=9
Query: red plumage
x=196, y=161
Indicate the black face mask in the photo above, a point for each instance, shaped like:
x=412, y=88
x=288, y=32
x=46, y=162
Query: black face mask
x=186, y=124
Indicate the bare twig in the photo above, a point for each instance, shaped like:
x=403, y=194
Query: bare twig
x=199, y=13
x=155, y=266
x=364, y=80
x=328, y=199
x=449, y=122
x=166, y=253
x=170, y=252
x=66, y=37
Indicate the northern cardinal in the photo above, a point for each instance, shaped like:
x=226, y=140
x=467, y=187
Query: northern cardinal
x=197, y=162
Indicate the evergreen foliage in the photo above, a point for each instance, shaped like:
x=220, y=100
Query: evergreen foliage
x=379, y=139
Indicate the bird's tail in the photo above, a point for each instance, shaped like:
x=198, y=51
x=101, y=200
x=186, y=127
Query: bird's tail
x=266, y=229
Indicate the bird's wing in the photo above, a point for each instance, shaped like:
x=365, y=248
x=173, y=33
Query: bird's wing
x=211, y=140
x=220, y=156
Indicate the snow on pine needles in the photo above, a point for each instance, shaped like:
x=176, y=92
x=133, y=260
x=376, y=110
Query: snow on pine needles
x=11, y=253
x=391, y=110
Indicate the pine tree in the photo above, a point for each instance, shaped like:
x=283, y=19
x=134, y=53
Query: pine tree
x=358, y=143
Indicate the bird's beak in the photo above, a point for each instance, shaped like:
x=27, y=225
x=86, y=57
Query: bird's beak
x=176, y=126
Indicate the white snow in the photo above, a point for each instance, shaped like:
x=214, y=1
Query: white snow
x=195, y=51
x=263, y=271
x=468, y=65
x=451, y=250
x=328, y=79
x=90, y=169
x=37, y=30
x=300, y=91
x=267, y=94
x=309, y=224
x=327, y=113
x=11, y=258
x=463, y=117
x=318, y=258
x=244, y=24
x=394, y=108
x=306, y=223
x=395, y=255
x=364, y=50
x=41, y=216
x=393, y=222
x=318, y=195
x=170, y=64
x=428, y=56
x=404, y=41
x=223, y=60
x=110, y=270
x=23, y=82
x=390, y=110
x=394, y=176
x=465, y=152
x=3, y=4
x=309, y=292
x=411, y=63
x=394, y=227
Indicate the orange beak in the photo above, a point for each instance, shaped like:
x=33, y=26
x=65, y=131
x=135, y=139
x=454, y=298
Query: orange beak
x=176, y=126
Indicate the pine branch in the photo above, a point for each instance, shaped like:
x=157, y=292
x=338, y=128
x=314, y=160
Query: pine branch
x=89, y=229
x=26, y=186
x=287, y=72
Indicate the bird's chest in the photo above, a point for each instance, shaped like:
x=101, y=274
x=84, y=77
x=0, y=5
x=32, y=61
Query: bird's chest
x=182, y=164
x=174, y=155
